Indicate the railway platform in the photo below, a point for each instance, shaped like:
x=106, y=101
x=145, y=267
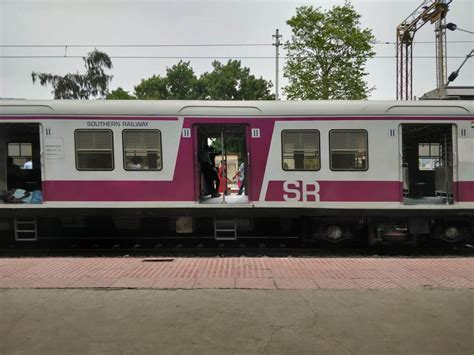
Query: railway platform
x=236, y=305
x=291, y=273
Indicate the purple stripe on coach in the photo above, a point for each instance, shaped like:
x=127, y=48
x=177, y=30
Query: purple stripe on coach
x=343, y=191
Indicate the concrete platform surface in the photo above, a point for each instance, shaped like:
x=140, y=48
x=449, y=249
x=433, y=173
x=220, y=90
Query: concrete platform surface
x=99, y=321
x=242, y=273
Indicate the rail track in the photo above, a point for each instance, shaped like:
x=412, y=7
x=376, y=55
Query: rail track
x=274, y=247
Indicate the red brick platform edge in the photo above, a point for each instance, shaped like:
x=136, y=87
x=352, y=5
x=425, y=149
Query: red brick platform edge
x=241, y=273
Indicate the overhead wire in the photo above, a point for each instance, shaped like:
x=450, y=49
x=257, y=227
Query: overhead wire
x=168, y=45
x=423, y=42
x=164, y=45
x=134, y=45
x=189, y=57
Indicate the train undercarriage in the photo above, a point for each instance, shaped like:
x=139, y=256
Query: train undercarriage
x=326, y=228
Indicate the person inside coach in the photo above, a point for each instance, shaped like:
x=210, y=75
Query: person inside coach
x=15, y=178
x=209, y=172
x=241, y=175
x=135, y=163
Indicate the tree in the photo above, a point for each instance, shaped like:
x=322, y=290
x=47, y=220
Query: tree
x=233, y=82
x=327, y=54
x=153, y=88
x=93, y=84
x=179, y=83
x=228, y=81
x=119, y=94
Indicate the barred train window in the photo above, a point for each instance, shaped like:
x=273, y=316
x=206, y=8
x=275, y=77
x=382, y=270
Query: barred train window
x=94, y=149
x=300, y=150
x=348, y=150
x=20, y=152
x=429, y=156
x=142, y=149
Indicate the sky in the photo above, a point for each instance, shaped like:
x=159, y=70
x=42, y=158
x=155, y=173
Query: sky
x=130, y=22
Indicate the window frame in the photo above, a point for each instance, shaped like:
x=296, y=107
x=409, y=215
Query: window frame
x=438, y=157
x=304, y=131
x=349, y=130
x=160, y=149
x=93, y=130
x=20, y=156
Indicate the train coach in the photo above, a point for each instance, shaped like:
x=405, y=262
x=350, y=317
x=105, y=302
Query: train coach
x=333, y=170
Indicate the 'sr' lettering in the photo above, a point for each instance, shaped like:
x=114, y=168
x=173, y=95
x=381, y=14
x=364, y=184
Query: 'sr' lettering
x=313, y=192
x=295, y=191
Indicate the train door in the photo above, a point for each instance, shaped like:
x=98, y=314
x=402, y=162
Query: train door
x=222, y=175
x=20, y=162
x=428, y=166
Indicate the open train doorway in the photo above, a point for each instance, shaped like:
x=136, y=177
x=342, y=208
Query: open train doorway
x=222, y=170
x=428, y=165
x=20, y=163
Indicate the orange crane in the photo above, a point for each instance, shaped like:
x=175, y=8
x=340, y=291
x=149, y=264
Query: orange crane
x=433, y=11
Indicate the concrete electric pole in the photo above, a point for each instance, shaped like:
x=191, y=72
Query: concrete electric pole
x=277, y=45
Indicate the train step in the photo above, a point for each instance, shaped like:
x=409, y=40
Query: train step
x=225, y=228
x=26, y=229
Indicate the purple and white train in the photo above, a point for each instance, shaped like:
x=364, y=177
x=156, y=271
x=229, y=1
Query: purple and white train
x=326, y=169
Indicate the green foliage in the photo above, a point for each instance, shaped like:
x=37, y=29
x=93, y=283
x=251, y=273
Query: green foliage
x=327, y=54
x=179, y=83
x=233, y=82
x=153, y=88
x=228, y=81
x=119, y=94
x=93, y=84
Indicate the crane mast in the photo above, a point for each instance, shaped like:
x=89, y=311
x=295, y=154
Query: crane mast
x=433, y=11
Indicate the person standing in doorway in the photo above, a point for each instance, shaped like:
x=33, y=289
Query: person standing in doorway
x=222, y=173
x=210, y=174
x=241, y=175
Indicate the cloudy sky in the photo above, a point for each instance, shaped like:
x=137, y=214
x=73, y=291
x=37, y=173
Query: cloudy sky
x=130, y=22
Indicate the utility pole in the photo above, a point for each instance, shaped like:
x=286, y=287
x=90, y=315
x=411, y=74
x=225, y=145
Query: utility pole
x=277, y=45
x=433, y=11
x=441, y=61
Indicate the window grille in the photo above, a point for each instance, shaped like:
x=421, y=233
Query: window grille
x=429, y=156
x=142, y=150
x=300, y=150
x=348, y=150
x=20, y=152
x=94, y=149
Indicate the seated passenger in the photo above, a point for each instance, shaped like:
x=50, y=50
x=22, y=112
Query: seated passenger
x=135, y=164
x=28, y=165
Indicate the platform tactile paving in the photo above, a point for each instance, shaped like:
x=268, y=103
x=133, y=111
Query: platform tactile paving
x=243, y=272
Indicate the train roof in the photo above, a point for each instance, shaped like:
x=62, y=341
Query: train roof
x=233, y=108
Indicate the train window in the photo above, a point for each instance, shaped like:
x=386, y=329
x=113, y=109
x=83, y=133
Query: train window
x=300, y=150
x=94, y=149
x=21, y=154
x=142, y=149
x=348, y=150
x=429, y=156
